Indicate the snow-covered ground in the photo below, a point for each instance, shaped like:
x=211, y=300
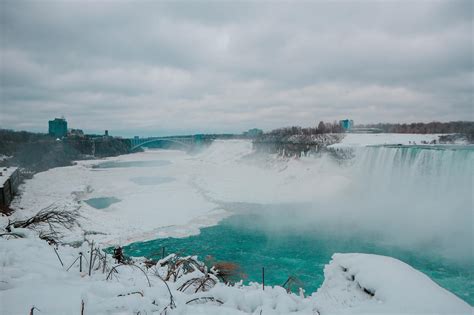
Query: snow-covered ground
x=177, y=198
x=32, y=276
x=168, y=208
x=192, y=196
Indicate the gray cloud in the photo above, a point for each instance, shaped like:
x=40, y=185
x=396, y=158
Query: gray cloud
x=162, y=67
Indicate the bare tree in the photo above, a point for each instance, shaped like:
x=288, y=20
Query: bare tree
x=53, y=217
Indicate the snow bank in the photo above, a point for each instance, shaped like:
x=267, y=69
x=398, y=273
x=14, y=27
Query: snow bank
x=367, y=283
x=225, y=151
x=32, y=276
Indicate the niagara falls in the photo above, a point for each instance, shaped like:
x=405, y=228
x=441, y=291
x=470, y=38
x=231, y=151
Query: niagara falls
x=236, y=157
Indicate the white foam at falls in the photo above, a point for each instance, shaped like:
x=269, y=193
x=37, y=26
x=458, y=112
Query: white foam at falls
x=441, y=170
x=416, y=195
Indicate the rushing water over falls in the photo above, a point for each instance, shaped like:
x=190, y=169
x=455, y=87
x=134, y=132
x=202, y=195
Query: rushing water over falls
x=412, y=203
x=416, y=196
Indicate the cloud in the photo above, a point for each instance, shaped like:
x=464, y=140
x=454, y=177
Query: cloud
x=156, y=68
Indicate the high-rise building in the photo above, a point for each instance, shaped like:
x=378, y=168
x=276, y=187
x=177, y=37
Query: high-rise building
x=346, y=124
x=57, y=127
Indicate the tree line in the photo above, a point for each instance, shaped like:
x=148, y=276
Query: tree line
x=38, y=152
x=431, y=127
x=323, y=127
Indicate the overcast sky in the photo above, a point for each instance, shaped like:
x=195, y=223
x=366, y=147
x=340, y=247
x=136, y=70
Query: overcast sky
x=186, y=67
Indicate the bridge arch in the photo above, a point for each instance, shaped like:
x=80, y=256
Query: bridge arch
x=148, y=141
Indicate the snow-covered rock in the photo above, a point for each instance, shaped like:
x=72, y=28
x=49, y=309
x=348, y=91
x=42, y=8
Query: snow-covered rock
x=364, y=283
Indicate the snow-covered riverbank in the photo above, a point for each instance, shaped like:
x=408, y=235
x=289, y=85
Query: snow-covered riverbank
x=171, y=208
x=177, y=196
x=32, y=277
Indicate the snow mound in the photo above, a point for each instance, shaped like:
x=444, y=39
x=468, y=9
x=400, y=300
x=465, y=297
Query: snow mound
x=225, y=151
x=365, y=283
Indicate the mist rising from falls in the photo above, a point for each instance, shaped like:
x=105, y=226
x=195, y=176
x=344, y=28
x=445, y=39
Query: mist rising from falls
x=412, y=197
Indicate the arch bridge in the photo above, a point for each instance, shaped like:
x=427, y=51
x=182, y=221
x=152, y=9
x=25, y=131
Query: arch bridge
x=185, y=141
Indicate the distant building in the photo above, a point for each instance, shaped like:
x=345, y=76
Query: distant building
x=252, y=133
x=58, y=127
x=75, y=133
x=346, y=124
x=106, y=133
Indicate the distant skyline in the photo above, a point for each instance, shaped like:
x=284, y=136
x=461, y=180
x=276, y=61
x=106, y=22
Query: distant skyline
x=149, y=68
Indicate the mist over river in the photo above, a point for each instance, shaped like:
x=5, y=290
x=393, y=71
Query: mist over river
x=290, y=251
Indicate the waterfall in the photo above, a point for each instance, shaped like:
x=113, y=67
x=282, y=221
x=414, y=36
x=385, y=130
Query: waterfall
x=417, y=168
x=416, y=195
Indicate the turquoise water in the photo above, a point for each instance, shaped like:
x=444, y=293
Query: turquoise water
x=253, y=243
x=121, y=164
x=101, y=202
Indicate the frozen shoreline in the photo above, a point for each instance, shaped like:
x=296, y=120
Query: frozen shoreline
x=143, y=212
